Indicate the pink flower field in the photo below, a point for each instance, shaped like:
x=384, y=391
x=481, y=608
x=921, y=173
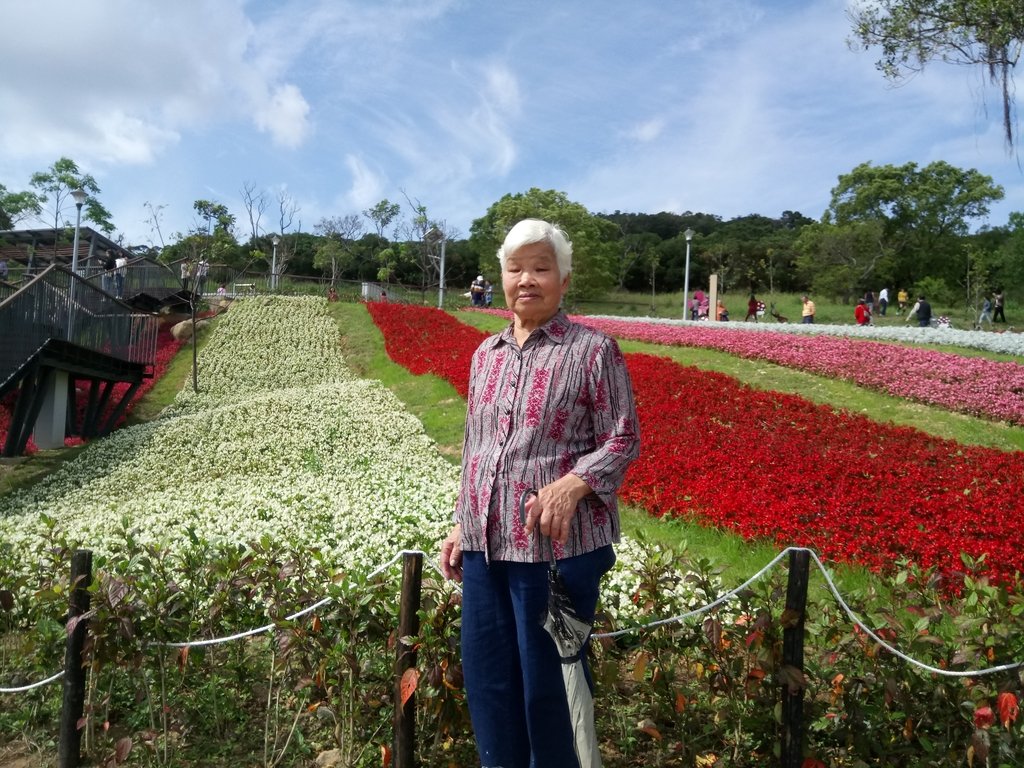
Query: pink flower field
x=973, y=385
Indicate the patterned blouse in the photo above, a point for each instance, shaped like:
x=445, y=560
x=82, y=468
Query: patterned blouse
x=562, y=403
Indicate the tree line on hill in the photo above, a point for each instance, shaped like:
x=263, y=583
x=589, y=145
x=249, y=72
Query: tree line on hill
x=885, y=226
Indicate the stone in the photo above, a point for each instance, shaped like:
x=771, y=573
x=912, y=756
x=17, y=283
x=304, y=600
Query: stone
x=329, y=759
x=183, y=331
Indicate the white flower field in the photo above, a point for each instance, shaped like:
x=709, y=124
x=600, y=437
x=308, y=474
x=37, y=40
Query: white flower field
x=281, y=441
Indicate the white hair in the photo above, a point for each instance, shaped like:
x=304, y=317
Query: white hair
x=530, y=231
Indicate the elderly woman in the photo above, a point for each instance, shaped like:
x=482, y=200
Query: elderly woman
x=550, y=407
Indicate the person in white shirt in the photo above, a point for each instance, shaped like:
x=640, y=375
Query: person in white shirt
x=120, y=271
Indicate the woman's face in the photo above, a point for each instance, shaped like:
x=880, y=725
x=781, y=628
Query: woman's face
x=532, y=284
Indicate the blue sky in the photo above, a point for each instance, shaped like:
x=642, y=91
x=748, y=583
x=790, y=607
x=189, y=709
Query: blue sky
x=728, y=107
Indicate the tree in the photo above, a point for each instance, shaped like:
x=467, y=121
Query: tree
x=287, y=208
x=842, y=260
x=736, y=249
x=912, y=33
x=639, y=250
x=15, y=207
x=336, y=251
x=924, y=212
x=255, y=203
x=420, y=254
x=1005, y=264
x=382, y=214
x=55, y=186
x=216, y=215
x=215, y=239
x=594, y=239
x=155, y=214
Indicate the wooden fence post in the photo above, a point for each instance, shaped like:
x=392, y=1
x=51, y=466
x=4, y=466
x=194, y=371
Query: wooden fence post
x=793, y=659
x=72, y=708
x=405, y=663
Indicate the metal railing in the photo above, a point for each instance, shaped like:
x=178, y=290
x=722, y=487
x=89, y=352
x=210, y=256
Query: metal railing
x=6, y=289
x=58, y=305
x=141, y=276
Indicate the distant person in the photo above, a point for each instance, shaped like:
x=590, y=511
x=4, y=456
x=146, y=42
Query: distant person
x=998, y=316
x=185, y=274
x=120, y=271
x=883, y=301
x=476, y=291
x=861, y=313
x=986, y=314
x=807, y=312
x=332, y=295
x=923, y=310
x=704, y=308
x=222, y=291
x=488, y=293
x=3, y=268
x=721, y=313
x=696, y=304
x=869, y=300
x=107, y=278
x=202, y=270
x=902, y=299
x=384, y=296
x=752, y=305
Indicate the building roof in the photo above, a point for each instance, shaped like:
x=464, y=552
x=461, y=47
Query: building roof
x=47, y=246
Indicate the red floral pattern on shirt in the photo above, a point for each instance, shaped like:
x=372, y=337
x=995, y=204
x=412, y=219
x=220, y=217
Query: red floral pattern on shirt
x=562, y=403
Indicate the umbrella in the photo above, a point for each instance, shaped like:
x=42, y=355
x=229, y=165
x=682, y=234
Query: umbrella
x=570, y=634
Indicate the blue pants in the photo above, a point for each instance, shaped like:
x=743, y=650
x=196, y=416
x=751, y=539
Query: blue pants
x=512, y=670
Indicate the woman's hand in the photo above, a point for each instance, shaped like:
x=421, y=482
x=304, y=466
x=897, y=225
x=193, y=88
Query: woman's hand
x=451, y=554
x=554, y=507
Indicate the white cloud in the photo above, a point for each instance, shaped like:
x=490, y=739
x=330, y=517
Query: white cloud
x=647, y=131
x=118, y=84
x=285, y=116
x=485, y=131
x=367, y=186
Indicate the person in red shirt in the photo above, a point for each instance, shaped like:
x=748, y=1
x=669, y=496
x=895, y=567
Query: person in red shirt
x=862, y=314
x=752, y=307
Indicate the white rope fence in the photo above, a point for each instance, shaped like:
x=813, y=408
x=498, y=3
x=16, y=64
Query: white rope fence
x=696, y=611
x=30, y=686
x=428, y=558
x=299, y=614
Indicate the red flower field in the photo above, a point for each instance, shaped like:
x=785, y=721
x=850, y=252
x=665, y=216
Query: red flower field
x=776, y=466
x=973, y=385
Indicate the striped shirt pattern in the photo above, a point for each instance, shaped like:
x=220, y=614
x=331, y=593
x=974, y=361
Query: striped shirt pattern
x=562, y=403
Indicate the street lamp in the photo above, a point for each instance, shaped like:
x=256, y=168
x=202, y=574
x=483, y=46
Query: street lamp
x=273, y=264
x=432, y=235
x=80, y=196
x=688, y=234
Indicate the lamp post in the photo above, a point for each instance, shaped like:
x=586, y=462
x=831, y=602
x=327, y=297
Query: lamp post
x=80, y=196
x=432, y=235
x=273, y=264
x=688, y=234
